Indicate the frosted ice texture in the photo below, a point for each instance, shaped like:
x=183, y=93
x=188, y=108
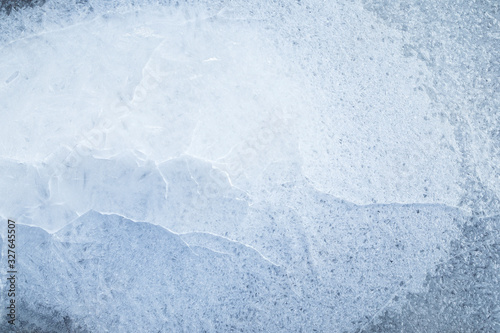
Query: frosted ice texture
x=253, y=166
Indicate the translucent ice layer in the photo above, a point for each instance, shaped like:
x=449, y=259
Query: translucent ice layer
x=333, y=88
x=252, y=165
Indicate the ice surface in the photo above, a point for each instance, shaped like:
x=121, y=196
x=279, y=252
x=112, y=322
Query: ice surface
x=108, y=273
x=252, y=165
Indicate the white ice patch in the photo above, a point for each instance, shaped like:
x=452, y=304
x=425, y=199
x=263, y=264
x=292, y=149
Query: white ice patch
x=365, y=130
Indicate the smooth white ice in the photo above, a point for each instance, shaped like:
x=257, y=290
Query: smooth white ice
x=240, y=95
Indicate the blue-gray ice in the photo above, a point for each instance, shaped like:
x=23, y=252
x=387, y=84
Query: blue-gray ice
x=251, y=166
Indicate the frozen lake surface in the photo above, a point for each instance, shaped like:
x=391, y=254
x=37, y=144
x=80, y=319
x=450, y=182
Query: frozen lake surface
x=252, y=166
